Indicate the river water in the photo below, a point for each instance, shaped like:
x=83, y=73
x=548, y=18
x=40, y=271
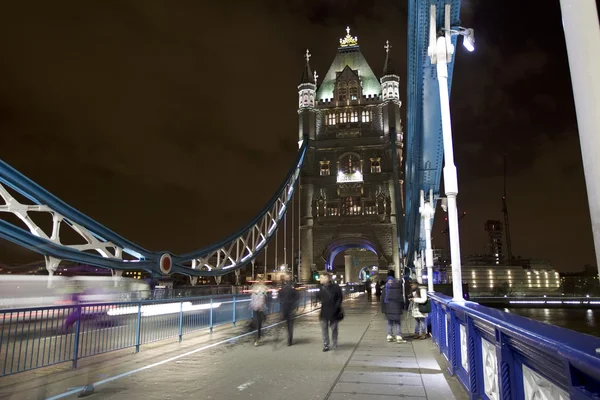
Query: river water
x=581, y=320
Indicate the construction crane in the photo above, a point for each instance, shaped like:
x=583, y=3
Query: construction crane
x=505, y=211
x=445, y=231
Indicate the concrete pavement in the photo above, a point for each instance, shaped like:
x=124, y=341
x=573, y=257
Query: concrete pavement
x=222, y=365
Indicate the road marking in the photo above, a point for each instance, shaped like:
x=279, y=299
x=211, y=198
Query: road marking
x=135, y=371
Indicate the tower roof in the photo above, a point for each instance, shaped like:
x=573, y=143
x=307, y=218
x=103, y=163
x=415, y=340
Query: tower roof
x=349, y=55
x=388, y=67
x=307, y=75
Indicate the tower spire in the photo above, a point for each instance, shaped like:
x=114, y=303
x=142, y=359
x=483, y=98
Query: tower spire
x=307, y=75
x=388, y=67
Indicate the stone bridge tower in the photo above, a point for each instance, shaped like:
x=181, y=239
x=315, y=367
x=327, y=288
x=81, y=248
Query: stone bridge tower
x=347, y=179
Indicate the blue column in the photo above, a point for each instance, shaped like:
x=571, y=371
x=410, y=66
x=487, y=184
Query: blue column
x=138, y=328
x=210, y=323
x=180, y=320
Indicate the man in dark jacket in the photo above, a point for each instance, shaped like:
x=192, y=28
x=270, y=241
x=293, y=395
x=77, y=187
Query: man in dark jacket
x=330, y=297
x=393, y=305
x=288, y=296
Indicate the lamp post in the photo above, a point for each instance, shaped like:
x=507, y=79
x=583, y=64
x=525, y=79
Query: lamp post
x=582, y=36
x=440, y=51
x=427, y=211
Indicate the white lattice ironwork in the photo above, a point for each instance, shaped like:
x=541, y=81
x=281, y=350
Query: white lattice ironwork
x=489, y=362
x=464, y=359
x=242, y=249
x=536, y=387
x=93, y=243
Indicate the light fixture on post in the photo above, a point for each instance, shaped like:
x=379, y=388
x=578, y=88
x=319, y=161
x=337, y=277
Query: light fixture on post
x=440, y=51
x=468, y=35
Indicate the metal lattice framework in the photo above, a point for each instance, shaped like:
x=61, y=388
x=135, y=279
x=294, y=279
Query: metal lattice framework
x=104, y=248
x=424, y=147
x=241, y=248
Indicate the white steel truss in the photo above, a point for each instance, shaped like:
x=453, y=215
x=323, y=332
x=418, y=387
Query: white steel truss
x=94, y=242
x=242, y=249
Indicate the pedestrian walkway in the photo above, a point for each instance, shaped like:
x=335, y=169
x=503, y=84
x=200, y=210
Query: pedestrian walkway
x=225, y=365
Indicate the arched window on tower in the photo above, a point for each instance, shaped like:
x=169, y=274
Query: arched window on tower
x=343, y=117
x=330, y=118
x=342, y=94
x=351, y=206
x=324, y=169
x=354, y=93
x=375, y=165
x=366, y=116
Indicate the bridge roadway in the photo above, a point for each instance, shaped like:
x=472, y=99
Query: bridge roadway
x=225, y=365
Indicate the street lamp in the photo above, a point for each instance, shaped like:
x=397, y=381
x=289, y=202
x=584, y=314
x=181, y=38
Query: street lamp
x=440, y=51
x=468, y=35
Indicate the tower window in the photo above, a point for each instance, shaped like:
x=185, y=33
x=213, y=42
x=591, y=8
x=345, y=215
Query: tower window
x=351, y=206
x=342, y=94
x=354, y=116
x=366, y=116
x=353, y=93
x=375, y=165
x=343, y=117
x=330, y=119
x=324, y=170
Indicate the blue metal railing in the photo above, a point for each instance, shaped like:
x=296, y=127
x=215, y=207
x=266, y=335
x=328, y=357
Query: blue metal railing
x=32, y=338
x=499, y=355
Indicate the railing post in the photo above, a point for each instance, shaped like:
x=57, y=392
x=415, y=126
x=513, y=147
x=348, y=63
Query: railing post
x=234, y=310
x=453, y=342
x=138, y=328
x=474, y=356
x=76, y=345
x=210, y=322
x=180, y=321
x=507, y=367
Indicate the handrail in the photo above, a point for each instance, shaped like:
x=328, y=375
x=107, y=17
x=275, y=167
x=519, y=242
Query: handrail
x=565, y=360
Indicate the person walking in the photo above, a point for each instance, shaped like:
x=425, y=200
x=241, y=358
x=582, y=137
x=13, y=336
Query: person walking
x=369, y=289
x=288, y=297
x=420, y=309
x=392, y=306
x=378, y=286
x=330, y=296
x=258, y=305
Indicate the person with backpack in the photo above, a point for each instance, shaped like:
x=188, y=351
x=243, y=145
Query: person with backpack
x=258, y=305
x=330, y=295
x=393, y=306
x=421, y=307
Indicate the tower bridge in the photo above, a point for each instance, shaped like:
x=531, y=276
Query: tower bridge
x=362, y=180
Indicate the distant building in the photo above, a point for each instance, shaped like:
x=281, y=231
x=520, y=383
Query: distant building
x=510, y=280
x=495, y=233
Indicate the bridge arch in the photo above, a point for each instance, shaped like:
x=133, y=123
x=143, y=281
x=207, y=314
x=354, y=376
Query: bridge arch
x=353, y=273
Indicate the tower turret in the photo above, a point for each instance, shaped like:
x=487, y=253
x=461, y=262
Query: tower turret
x=307, y=90
x=390, y=82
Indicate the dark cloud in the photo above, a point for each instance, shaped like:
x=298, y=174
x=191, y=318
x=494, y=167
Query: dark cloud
x=174, y=123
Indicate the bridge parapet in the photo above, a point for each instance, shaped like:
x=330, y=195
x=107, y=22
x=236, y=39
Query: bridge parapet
x=498, y=355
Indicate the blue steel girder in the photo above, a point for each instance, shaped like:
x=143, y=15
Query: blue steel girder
x=424, y=147
x=242, y=247
x=104, y=248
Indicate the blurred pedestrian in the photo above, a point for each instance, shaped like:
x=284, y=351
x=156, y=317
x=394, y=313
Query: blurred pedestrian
x=330, y=295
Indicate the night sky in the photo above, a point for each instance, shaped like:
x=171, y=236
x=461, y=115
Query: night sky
x=172, y=123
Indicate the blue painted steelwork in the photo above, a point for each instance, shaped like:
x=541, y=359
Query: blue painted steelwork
x=40, y=196
x=424, y=146
x=32, y=338
x=144, y=259
x=567, y=360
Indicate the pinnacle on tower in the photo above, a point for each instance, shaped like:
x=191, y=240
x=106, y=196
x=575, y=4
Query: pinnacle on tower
x=388, y=67
x=307, y=75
